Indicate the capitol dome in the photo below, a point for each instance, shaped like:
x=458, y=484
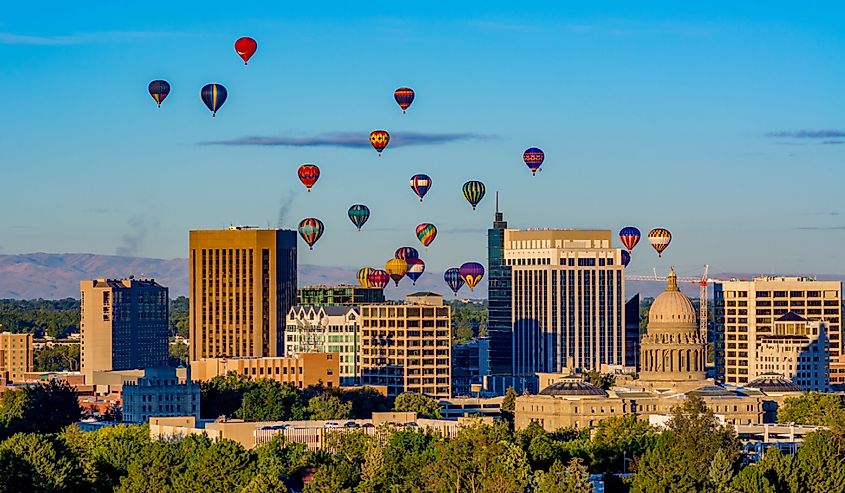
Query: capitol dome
x=573, y=386
x=672, y=306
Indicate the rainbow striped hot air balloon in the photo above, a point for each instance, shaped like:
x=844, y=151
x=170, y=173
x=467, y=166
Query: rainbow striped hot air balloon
x=630, y=236
x=426, y=232
x=364, y=275
x=416, y=267
x=420, y=184
x=213, y=95
x=159, y=89
x=659, y=239
x=474, y=191
x=406, y=253
x=453, y=279
x=359, y=214
x=378, y=278
x=379, y=140
x=396, y=268
x=404, y=96
x=472, y=273
x=311, y=229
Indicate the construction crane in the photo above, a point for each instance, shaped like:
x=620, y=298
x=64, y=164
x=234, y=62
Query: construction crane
x=702, y=282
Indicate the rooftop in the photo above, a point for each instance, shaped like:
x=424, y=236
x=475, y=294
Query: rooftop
x=572, y=386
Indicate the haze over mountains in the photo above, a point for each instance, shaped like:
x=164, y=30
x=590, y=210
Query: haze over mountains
x=57, y=275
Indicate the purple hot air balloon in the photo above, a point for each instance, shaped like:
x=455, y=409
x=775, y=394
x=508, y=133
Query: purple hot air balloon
x=471, y=273
x=416, y=267
x=626, y=258
x=453, y=279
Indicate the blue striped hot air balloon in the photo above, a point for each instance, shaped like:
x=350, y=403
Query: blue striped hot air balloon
x=213, y=95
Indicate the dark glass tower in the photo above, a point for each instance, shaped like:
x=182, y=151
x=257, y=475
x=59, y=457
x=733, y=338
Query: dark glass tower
x=499, y=325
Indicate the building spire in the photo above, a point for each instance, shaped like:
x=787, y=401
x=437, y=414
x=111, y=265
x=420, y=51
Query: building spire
x=672, y=280
x=497, y=201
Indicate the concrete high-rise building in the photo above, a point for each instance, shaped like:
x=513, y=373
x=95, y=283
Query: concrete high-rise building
x=499, y=322
x=327, y=329
x=15, y=355
x=408, y=347
x=340, y=295
x=632, y=332
x=567, y=298
x=798, y=350
x=123, y=325
x=242, y=284
x=746, y=311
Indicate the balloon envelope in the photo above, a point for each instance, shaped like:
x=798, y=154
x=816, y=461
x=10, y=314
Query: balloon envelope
x=359, y=214
x=474, y=192
x=453, y=279
x=378, y=278
x=630, y=236
x=308, y=175
x=416, y=267
x=159, y=89
x=472, y=273
x=426, y=232
x=626, y=258
x=396, y=268
x=311, y=229
x=420, y=184
x=364, y=276
x=533, y=158
x=379, y=139
x=659, y=239
x=213, y=95
x=406, y=253
x=245, y=48
x=404, y=96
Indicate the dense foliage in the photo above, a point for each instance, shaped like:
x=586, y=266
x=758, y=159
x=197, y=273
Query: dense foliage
x=469, y=321
x=43, y=408
x=54, y=318
x=814, y=408
x=179, y=316
x=60, y=357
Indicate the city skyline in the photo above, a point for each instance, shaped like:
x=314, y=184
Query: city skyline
x=720, y=123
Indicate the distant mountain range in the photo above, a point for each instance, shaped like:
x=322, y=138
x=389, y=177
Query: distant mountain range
x=57, y=275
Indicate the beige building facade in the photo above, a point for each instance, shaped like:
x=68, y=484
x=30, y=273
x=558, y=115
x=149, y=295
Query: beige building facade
x=304, y=370
x=797, y=349
x=15, y=356
x=242, y=284
x=408, y=347
x=123, y=325
x=567, y=300
x=746, y=311
x=326, y=329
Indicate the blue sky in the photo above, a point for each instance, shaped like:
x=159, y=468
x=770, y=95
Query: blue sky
x=722, y=121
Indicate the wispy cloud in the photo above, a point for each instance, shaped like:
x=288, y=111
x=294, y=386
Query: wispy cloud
x=821, y=228
x=8, y=38
x=833, y=142
x=350, y=139
x=809, y=134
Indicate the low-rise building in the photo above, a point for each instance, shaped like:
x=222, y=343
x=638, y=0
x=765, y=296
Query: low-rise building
x=160, y=393
x=15, y=355
x=304, y=370
x=326, y=329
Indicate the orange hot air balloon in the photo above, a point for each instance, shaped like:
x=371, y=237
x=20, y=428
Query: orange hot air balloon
x=379, y=139
x=308, y=175
x=396, y=268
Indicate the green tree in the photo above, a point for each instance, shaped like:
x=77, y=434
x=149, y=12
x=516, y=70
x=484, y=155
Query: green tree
x=619, y=439
x=424, y=406
x=780, y=471
x=336, y=477
x=327, y=406
x=751, y=480
x=573, y=478
x=108, y=451
x=43, y=408
x=602, y=380
x=153, y=469
x=222, y=395
x=509, y=405
x=179, y=316
x=813, y=408
x=365, y=401
x=820, y=462
x=269, y=400
x=537, y=444
x=224, y=466
x=50, y=468
x=63, y=357
x=177, y=354
x=721, y=472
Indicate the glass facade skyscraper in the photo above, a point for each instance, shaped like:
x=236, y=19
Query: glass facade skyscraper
x=499, y=322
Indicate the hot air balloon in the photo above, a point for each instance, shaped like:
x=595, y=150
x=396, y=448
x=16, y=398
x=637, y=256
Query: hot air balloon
x=426, y=232
x=474, y=192
x=378, y=278
x=406, y=253
x=533, y=158
x=308, y=175
x=472, y=273
x=311, y=229
x=404, y=96
x=626, y=258
x=659, y=239
x=245, y=48
x=416, y=267
x=364, y=276
x=453, y=279
x=159, y=89
x=379, y=139
x=420, y=185
x=358, y=214
x=213, y=95
x=396, y=268
x=630, y=236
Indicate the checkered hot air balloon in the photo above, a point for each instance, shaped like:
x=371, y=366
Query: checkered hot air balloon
x=426, y=232
x=311, y=229
x=474, y=192
x=659, y=239
x=379, y=139
x=404, y=96
x=308, y=175
x=630, y=236
x=420, y=184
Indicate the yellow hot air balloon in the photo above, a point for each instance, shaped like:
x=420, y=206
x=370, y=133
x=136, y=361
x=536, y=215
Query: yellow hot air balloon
x=396, y=268
x=363, y=274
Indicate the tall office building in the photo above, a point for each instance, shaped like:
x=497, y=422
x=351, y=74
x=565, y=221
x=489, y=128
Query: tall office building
x=242, y=284
x=341, y=295
x=326, y=329
x=408, y=347
x=568, y=300
x=632, y=332
x=499, y=323
x=123, y=325
x=15, y=356
x=797, y=350
x=746, y=311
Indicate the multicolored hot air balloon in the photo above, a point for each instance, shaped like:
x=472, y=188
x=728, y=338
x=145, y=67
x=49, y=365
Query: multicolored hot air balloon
x=358, y=214
x=533, y=158
x=659, y=239
x=630, y=236
x=453, y=279
x=378, y=278
x=364, y=276
x=474, y=192
x=404, y=96
x=308, y=175
x=379, y=139
x=245, y=47
x=426, y=232
x=420, y=184
x=406, y=253
x=396, y=268
x=416, y=267
x=159, y=89
x=472, y=273
x=626, y=258
x=213, y=95
x=311, y=229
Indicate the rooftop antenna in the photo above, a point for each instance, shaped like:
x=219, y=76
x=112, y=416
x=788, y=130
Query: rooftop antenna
x=497, y=201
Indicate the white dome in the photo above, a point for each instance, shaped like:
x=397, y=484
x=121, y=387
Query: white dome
x=672, y=306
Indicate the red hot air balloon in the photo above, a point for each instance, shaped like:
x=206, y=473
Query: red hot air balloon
x=379, y=139
x=308, y=175
x=245, y=47
x=378, y=278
